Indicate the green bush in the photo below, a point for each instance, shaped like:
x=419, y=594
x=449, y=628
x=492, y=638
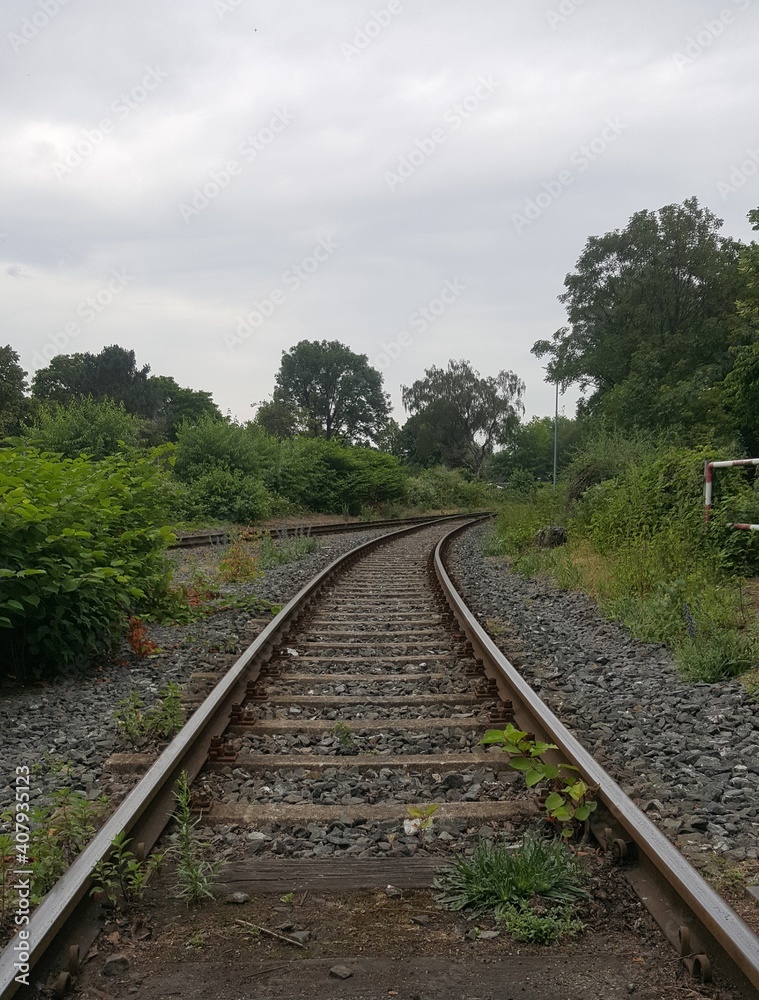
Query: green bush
x=639, y=544
x=225, y=495
x=331, y=478
x=82, y=544
x=87, y=426
x=441, y=488
x=213, y=444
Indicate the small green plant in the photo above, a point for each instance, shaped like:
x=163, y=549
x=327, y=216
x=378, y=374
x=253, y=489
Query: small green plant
x=58, y=831
x=526, y=924
x=344, y=735
x=420, y=817
x=285, y=550
x=570, y=799
x=287, y=897
x=162, y=721
x=532, y=889
x=239, y=563
x=123, y=878
x=195, y=875
x=7, y=864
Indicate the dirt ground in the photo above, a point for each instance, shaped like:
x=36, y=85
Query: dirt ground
x=389, y=943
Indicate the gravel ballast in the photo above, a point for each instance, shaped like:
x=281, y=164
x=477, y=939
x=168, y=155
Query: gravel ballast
x=63, y=729
x=687, y=753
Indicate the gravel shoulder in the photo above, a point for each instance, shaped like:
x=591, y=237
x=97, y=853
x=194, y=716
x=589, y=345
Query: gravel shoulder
x=688, y=754
x=63, y=729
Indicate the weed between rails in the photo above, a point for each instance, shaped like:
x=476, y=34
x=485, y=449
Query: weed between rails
x=532, y=889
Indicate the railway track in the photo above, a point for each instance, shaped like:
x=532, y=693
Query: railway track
x=368, y=694
x=191, y=540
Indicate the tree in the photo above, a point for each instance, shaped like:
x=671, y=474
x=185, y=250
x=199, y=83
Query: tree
x=13, y=401
x=278, y=419
x=462, y=415
x=339, y=393
x=168, y=405
x=652, y=318
x=531, y=449
x=111, y=374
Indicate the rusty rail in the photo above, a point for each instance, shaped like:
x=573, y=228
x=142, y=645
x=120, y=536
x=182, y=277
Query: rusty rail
x=702, y=927
x=63, y=927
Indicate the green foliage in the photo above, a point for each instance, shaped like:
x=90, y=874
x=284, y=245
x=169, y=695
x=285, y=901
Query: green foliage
x=570, y=800
x=530, y=451
x=194, y=874
x=224, y=495
x=13, y=402
x=160, y=722
x=333, y=390
x=122, y=878
x=86, y=426
x=652, y=321
x=286, y=550
x=458, y=416
x=8, y=863
x=638, y=544
x=212, y=444
x=238, y=472
x=82, y=544
x=58, y=832
x=441, y=489
x=527, y=925
x=531, y=889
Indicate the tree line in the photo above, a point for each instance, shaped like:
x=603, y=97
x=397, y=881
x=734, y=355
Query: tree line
x=662, y=336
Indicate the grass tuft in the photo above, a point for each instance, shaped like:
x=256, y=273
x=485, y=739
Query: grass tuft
x=531, y=889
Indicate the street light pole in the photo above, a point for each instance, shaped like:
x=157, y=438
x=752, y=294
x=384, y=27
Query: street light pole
x=556, y=437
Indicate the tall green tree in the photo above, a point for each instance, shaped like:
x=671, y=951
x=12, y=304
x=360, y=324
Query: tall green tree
x=339, y=393
x=461, y=416
x=111, y=374
x=168, y=405
x=530, y=450
x=652, y=318
x=13, y=386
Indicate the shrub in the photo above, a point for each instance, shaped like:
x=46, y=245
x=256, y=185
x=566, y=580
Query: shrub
x=95, y=427
x=213, y=444
x=226, y=495
x=82, y=544
x=330, y=478
x=441, y=488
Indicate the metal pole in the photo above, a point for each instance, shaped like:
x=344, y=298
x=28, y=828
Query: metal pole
x=556, y=437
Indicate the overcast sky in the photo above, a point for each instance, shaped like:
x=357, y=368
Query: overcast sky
x=210, y=181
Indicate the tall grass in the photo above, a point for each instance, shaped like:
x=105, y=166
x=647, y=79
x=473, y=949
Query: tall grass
x=637, y=543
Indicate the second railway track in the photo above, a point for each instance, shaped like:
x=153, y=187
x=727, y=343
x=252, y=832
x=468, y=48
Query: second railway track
x=368, y=695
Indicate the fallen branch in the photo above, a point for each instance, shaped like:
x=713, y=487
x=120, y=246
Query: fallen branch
x=274, y=934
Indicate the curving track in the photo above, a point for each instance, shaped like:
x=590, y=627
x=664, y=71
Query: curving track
x=377, y=660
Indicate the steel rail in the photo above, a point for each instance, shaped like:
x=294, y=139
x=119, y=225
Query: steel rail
x=696, y=920
x=62, y=927
x=222, y=535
